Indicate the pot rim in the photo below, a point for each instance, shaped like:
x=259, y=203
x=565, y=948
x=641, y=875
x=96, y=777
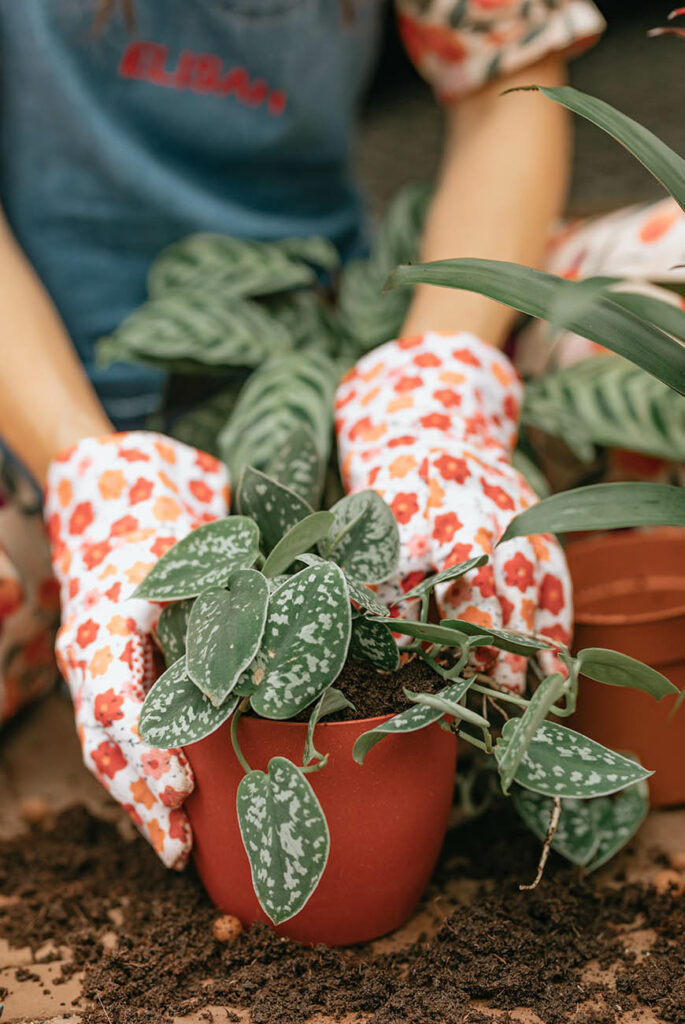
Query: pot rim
x=327, y=725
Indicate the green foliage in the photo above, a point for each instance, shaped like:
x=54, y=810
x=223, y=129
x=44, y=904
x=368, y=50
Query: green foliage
x=373, y=641
x=176, y=713
x=364, y=539
x=275, y=508
x=285, y=836
x=329, y=702
x=618, y=669
x=171, y=630
x=453, y=573
x=300, y=538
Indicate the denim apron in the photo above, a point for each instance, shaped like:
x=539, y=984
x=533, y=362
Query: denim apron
x=232, y=116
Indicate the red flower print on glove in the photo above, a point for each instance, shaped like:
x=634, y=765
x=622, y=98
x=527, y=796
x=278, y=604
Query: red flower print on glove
x=101, y=551
x=455, y=490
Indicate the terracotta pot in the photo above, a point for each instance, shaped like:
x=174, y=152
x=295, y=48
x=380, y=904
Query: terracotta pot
x=387, y=822
x=629, y=595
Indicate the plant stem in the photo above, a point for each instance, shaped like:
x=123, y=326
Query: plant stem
x=237, y=715
x=307, y=769
x=472, y=739
x=551, y=831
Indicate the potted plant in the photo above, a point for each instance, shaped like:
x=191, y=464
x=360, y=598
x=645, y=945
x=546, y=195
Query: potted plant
x=317, y=826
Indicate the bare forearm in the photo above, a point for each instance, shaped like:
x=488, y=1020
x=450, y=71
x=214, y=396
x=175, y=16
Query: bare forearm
x=502, y=183
x=46, y=400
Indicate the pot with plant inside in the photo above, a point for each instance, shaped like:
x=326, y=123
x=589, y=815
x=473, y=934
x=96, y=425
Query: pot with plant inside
x=284, y=676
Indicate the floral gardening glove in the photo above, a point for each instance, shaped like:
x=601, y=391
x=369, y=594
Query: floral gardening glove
x=430, y=422
x=114, y=505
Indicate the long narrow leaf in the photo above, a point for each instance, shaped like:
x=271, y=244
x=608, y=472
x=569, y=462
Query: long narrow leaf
x=664, y=315
x=537, y=294
x=602, y=507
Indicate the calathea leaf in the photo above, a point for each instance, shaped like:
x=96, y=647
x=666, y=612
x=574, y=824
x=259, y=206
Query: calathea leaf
x=618, y=669
x=299, y=466
x=224, y=633
x=453, y=573
x=525, y=728
x=364, y=539
x=373, y=641
x=560, y=762
x=316, y=250
x=175, y=713
x=171, y=630
x=328, y=703
x=274, y=508
x=297, y=540
x=205, y=558
x=305, y=641
x=285, y=836
x=417, y=717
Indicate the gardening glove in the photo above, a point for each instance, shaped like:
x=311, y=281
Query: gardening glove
x=114, y=505
x=430, y=422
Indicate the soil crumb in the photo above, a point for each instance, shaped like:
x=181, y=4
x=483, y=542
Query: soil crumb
x=82, y=880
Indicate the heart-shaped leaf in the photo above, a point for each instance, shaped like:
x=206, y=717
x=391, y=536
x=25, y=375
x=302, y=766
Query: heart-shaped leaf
x=576, y=838
x=364, y=539
x=175, y=713
x=274, y=508
x=453, y=573
x=373, y=641
x=417, y=717
x=305, y=641
x=224, y=633
x=618, y=819
x=500, y=638
x=299, y=466
x=171, y=630
x=328, y=703
x=205, y=558
x=560, y=762
x=297, y=540
x=619, y=670
x=285, y=836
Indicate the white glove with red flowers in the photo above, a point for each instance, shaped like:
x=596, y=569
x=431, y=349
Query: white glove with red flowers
x=114, y=505
x=430, y=422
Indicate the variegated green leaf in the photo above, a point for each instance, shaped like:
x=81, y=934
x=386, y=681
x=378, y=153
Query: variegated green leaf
x=417, y=717
x=314, y=249
x=444, y=635
x=299, y=466
x=364, y=539
x=373, y=641
x=305, y=642
x=328, y=703
x=274, y=508
x=299, y=539
x=618, y=669
x=523, y=730
x=205, y=558
x=503, y=639
x=576, y=838
x=171, y=630
x=453, y=573
x=364, y=597
x=201, y=426
x=232, y=267
x=285, y=836
x=224, y=633
x=560, y=762
x=618, y=819
x=175, y=713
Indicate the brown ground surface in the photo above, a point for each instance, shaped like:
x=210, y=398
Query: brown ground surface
x=39, y=758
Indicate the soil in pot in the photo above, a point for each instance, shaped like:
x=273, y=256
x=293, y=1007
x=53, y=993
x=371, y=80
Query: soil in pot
x=629, y=595
x=387, y=818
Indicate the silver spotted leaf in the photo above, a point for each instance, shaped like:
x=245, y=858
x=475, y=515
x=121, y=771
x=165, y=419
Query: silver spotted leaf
x=298, y=540
x=453, y=573
x=576, y=838
x=442, y=634
x=175, y=713
x=224, y=633
x=205, y=558
x=417, y=717
x=285, y=835
x=364, y=540
x=299, y=465
x=373, y=641
x=274, y=508
x=560, y=762
x=171, y=630
x=618, y=819
x=328, y=703
x=305, y=642
x=503, y=639
x=364, y=597
x=524, y=729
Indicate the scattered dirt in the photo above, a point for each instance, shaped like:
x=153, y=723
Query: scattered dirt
x=379, y=693
x=81, y=881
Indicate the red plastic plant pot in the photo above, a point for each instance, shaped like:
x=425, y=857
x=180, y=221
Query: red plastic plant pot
x=629, y=595
x=387, y=820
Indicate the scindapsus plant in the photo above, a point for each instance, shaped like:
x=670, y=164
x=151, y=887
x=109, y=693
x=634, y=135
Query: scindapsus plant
x=262, y=611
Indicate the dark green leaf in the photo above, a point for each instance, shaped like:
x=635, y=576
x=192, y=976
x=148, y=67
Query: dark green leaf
x=523, y=730
x=285, y=836
x=443, y=635
x=299, y=539
x=373, y=641
x=453, y=573
x=299, y=466
x=171, y=630
x=618, y=819
x=364, y=597
x=329, y=702
x=364, y=539
x=274, y=508
x=503, y=639
x=175, y=713
x=205, y=558
x=602, y=507
x=619, y=670
x=664, y=315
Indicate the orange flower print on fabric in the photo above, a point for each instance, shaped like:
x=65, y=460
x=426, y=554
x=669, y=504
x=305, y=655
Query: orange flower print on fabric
x=162, y=545
x=155, y=763
x=404, y=507
x=95, y=554
x=140, y=491
x=111, y=484
x=107, y=707
x=108, y=759
x=201, y=490
x=519, y=572
x=448, y=397
x=81, y=518
x=452, y=468
x=501, y=498
x=445, y=526
x=86, y=633
x=142, y=794
x=100, y=661
x=552, y=594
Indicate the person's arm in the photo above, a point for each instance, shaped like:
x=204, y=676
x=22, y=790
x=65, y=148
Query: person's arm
x=502, y=183
x=46, y=401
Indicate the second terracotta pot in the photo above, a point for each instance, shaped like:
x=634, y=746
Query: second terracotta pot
x=387, y=821
x=629, y=596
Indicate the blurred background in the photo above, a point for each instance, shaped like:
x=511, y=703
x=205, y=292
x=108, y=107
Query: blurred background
x=627, y=69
